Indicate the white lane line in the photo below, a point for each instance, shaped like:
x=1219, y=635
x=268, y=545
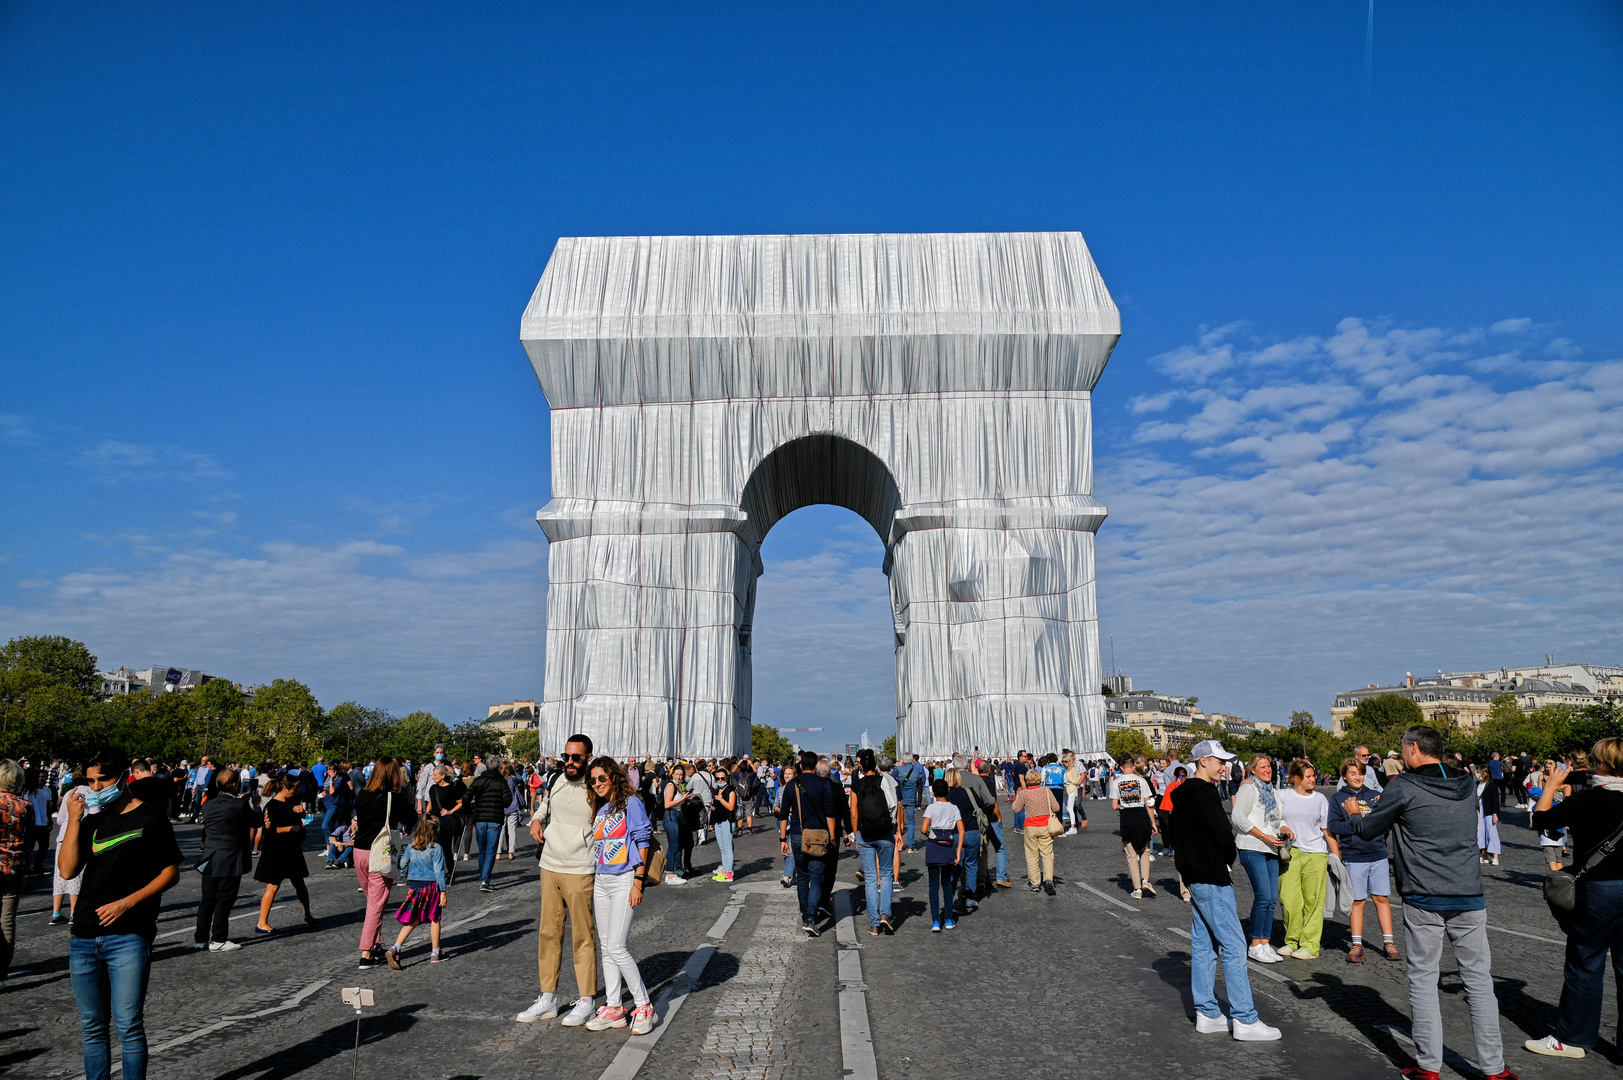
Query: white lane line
x=1259, y=968
x=845, y=921
x=475, y=917
x=1535, y=937
x=224, y=1022
x=635, y=1051
x=856, y=1036
x=1103, y=896
x=1452, y=1058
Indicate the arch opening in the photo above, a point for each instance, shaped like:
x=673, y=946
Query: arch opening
x=822, y=468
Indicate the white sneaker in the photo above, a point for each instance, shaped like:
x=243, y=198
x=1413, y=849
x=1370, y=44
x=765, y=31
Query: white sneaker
x=1550, y=1046
x=1211, y=1025
x=581, y=1013
x=1257, y=1032
x=545, y=1008
x=1263, y=954
x=223, y=946
x=1068, y=832
x=1284, y=950
x=675, y=879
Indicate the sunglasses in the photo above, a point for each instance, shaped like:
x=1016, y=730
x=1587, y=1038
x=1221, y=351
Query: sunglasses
x=599, y=779
x=574, y=757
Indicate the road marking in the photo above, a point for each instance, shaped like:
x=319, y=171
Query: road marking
x=1103, y=896
x=1453, y=1059
x=845, y=919
x=856, y=1036
x=1535, y=937
x=635, y=1051
x=475, y=917
x=226, y=1021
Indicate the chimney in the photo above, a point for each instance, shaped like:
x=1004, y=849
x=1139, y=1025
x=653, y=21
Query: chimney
x=1408, y=679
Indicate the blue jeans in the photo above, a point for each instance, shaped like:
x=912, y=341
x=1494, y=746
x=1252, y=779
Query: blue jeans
x=1263, y=870
x=724, y=840
x=109, y=976
x=1002, y=851
x=971, y=876
x=878, y=862
x=942, y=878
x=808, y=880
x=1215, y=924
x=488, y=833
x=911, y=840
x=1598, y=927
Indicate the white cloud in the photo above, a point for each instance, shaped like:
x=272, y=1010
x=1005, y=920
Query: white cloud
x=1511, y=326
x=114, y=461
x=1388, y=500
x=358, y=619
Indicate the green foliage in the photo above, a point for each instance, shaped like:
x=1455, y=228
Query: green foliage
x=768, y=744
x=62, y=661
x=889, y=746
x=414, y=735
x=283, y=722
x=1378, y=721
x=525, y=745
x=470, y=738
x=356, y=733
x=1127, y=742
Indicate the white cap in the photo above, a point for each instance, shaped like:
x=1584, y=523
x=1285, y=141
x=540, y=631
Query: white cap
x=1210, y=748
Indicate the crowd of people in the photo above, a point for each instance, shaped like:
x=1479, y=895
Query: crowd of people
x=1417, y=820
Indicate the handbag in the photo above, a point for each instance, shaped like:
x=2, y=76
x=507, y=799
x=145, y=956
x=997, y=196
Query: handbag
x=655, y=873
x=1561, y=887
x=940, y=849
x=814, y=842
x=386, y=842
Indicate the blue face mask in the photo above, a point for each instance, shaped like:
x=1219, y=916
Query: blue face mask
x=103, y=797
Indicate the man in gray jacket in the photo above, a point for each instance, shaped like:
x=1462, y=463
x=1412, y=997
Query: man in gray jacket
x=1428, y=815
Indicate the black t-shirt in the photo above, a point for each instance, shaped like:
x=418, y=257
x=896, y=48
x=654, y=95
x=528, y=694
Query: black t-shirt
x=123, y=853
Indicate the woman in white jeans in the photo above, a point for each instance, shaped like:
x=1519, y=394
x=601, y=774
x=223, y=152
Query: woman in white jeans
x=620, y=835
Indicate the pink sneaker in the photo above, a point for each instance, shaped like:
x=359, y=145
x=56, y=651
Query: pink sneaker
x=642, y=1020
x=609, y=1016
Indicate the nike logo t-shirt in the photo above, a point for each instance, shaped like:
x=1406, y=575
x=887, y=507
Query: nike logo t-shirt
x=123, y=853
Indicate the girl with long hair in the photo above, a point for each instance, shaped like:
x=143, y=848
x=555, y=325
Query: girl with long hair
x=383, y=803
x=620, y=834
x=423, y=863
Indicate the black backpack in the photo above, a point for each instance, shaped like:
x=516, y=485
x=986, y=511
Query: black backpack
x=874, y=819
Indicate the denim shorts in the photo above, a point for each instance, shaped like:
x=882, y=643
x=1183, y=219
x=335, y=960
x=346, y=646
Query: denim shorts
x=1370, y=878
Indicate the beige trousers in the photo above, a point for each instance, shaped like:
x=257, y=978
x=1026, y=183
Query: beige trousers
x=1039, y=847
x=569, y=894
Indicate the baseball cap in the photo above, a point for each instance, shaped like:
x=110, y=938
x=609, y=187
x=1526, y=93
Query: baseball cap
x=1210, y=748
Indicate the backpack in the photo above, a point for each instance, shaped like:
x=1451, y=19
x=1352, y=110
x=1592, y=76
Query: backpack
x=874, y=820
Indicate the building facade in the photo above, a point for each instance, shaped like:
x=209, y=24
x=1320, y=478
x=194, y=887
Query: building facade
x=1163, y=720
x=1440, y=702
x=512, y=716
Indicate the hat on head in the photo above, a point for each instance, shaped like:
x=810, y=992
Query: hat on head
x=1210, y=748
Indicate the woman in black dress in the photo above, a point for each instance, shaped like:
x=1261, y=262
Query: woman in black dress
x=281, y=854
x=447, y=800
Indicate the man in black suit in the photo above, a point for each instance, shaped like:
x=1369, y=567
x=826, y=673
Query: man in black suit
x=226, y=821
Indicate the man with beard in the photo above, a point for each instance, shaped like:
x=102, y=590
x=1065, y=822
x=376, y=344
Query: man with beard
x=563, y=826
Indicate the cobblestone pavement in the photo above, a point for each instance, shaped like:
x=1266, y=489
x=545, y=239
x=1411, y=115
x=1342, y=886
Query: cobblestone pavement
x=1088, y=983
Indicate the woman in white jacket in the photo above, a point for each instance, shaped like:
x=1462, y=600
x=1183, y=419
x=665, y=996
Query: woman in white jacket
x=1260, y=833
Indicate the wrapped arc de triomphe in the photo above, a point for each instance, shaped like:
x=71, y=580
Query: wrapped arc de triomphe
x=702, y=387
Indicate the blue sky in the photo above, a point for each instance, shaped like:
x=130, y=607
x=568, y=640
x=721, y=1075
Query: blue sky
x=263, y=409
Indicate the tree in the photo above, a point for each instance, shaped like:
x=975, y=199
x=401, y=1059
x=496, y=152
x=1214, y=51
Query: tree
x=283, y=722
x=354, y=729
x=63, y=661
x=1300, y=722
x=471, y=737
x=525, y=745
x=1127, y=742
x=889, y=746
x=768, y=744
x=1378, y=721
x=414, y=736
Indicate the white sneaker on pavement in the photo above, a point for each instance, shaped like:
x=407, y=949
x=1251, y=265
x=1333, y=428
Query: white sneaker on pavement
x=1263, y=954
x=581, y=1013
x=1550, y=1046
x=1211, y=1025
x=223, y=946
x=1257, y=1032
x=545, y=1008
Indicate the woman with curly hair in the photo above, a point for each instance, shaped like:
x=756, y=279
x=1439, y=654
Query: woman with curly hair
x=620, y=834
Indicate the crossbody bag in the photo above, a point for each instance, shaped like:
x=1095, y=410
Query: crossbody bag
x=814, y=842
x=1561, y=887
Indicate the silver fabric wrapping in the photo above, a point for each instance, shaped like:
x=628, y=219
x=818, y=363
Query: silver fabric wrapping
x=704, y=387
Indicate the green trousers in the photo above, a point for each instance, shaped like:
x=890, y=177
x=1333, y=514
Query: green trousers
x=1301, y=896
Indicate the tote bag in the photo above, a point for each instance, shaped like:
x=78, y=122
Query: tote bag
x=390, y=839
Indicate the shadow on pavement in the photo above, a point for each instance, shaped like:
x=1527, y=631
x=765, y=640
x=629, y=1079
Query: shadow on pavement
x=333, y=1043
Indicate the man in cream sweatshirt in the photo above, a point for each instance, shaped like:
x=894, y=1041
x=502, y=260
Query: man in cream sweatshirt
x=563, y=826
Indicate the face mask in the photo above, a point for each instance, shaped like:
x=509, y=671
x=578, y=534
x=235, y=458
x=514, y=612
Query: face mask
x=439, y=757
x=100, y=798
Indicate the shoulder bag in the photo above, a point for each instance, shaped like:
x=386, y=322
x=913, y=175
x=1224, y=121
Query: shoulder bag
x=1056, y=826
x=386, y=842
x=814, y=842
x=1561, y=887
